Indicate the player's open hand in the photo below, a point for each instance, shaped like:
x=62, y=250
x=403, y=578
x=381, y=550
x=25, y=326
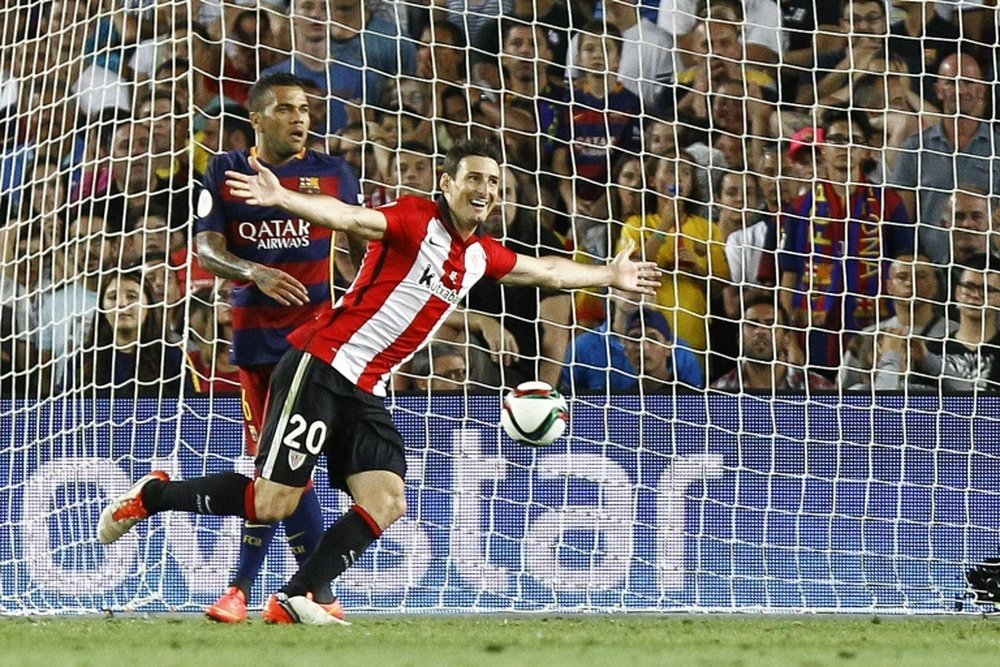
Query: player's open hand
x=632, y=276
x=280, y=286
x=260, y=189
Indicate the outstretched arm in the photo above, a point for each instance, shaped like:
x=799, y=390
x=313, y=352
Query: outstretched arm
x=560, y=273
x=264, y=189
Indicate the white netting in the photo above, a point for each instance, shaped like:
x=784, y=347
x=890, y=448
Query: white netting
x=792, y=167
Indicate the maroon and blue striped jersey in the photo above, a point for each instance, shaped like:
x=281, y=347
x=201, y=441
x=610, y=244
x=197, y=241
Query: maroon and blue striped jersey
x=275, y=238
x=598, y=130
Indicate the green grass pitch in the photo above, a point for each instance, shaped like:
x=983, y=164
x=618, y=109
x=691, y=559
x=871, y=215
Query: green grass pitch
x=522, y=641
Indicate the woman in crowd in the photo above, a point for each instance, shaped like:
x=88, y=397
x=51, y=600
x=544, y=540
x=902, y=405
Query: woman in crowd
x=127, y=356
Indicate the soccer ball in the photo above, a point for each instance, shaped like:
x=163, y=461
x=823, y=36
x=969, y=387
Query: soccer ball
x=534, y=414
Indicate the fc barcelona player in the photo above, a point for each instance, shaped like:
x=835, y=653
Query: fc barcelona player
x=327, y=393
x=280, y=265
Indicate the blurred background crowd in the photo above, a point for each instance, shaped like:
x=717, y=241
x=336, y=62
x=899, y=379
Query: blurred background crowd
x=817, y=179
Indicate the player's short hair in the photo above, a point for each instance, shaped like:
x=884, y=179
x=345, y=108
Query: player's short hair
x=260, y=92
x=470, y=148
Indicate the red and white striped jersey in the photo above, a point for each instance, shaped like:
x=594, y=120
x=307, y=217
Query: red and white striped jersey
x=409, y=282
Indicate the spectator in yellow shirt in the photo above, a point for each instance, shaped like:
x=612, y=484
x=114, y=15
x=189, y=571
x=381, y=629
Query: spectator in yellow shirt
x=689, y=248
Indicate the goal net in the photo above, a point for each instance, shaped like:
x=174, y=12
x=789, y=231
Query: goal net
x=803, y=418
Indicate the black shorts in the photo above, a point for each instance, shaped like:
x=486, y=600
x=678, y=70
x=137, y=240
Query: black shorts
x=314, y=409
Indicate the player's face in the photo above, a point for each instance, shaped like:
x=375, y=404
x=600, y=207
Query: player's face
x=283, y=126
x=473, y=192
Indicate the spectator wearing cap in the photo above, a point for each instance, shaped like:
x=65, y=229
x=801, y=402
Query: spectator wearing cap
x=607, y=358
x=839, y=239
x=652, y=352
x=770, y=357
x=799, y=167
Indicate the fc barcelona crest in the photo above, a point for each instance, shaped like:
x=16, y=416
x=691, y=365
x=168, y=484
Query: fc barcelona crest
x=309, y=185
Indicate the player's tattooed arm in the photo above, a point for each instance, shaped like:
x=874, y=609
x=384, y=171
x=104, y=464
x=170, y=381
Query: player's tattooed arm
x=214, y=256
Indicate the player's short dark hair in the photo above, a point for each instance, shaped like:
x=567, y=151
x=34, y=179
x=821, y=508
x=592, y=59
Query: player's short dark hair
x=260, y=92
x=469, y=148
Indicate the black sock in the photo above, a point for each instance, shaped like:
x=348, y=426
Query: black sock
x=222, y=494
x=341, y=545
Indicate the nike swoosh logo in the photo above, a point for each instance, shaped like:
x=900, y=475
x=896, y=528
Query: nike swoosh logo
x=435, y=243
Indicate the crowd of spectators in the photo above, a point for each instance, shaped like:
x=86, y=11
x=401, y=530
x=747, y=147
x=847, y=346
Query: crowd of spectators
x=818, y=180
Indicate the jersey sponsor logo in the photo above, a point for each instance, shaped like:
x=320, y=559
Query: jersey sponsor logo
x=275, y=234
x=430, y=281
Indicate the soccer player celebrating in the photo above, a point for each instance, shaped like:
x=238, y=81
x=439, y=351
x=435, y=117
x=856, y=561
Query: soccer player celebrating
x=327, y=392
x=280, y=265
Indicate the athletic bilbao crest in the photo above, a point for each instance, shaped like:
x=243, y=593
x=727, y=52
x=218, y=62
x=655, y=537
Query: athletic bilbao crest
x=295, y=460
